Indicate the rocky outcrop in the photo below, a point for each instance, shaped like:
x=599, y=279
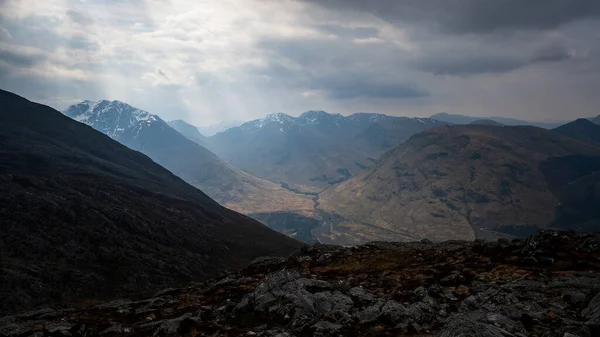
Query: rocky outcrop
x=547, y=285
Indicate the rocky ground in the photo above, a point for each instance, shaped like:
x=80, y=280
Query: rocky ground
x=547, y=285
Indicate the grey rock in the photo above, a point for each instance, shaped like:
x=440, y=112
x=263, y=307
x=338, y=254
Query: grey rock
x=574, y=298
x=59, y=328
x=393, y=312
x=592, y=312
x=464, y=326
x=116, y=329
x=166, y=326
x=505, y=323
x=10, y=327
x=327, y=327
x=452, y=280
x=287, y=294
x=370, y=314
x=360, y=295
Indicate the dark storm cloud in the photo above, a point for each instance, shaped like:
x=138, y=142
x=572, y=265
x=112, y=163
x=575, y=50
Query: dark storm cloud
x=474, y=16
x=551, y=54
x=472, y=62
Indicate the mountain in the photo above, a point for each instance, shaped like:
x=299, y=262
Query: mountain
x=503, y=288
x=149, y=134
x=212, y=130
x=314, y=150
x=188, y=130
x=596, y=120
x=466, y=182
x=289, y=150
x=383, y=132
x=581, y=129
x=486, y=122
x=461, y=119
x=84, y=217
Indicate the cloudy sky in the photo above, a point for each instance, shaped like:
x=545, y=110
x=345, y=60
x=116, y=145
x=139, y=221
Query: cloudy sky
x=209, y=60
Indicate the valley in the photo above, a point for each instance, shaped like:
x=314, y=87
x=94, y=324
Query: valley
x=348, y=180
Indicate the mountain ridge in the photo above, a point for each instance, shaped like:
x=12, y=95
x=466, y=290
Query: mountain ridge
x=581, y=129
x=464, y=181
x=463, y=119
x=84, y=217
x=314, y=150
x=192, y=162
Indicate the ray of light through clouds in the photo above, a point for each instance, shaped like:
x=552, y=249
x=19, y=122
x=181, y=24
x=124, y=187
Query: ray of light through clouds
x=207, y=61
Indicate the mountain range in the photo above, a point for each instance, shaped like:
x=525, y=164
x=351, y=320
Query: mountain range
x=467, y=182
x=462, y=119
x=84, y=217
x=149, y=134
x=315, y=150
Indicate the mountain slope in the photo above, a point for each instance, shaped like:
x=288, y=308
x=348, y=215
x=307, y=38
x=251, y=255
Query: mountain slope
x=212, y=130
x=460, y=182
x=581, y=129
x=315, y=150
x=383, y=132
x=461, y=119
x=85, y=217
x=193, y=163
x=188, y=130
x=282, y=149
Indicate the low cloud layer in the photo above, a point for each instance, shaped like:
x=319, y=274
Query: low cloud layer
x=221, y=60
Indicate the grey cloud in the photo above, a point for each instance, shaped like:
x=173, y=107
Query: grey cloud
x=551, y=54
x=349, y=32
x=464, y=67
x=475, y=57
x=474, y=16
x=355, y=87
x=162, y=73
x=79, y=17
x=82, y=43
x=16, y=58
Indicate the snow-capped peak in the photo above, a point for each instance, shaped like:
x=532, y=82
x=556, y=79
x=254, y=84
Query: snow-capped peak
x=274, y=118
x=319, y=116
x=109, y=117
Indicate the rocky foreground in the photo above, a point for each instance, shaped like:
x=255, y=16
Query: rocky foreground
x=547, y=285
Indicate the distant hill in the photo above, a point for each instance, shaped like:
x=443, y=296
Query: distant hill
x=461, y=119
x=581, y=129
x=486, y=122
x=84, y=217
x=466, y=182
x=188, y=130
x=596, y=120
x=198, y=166
x=315, y=150
x=211, y=130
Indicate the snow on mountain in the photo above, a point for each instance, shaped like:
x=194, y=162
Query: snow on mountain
x=113, y=118
x=318, y=117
